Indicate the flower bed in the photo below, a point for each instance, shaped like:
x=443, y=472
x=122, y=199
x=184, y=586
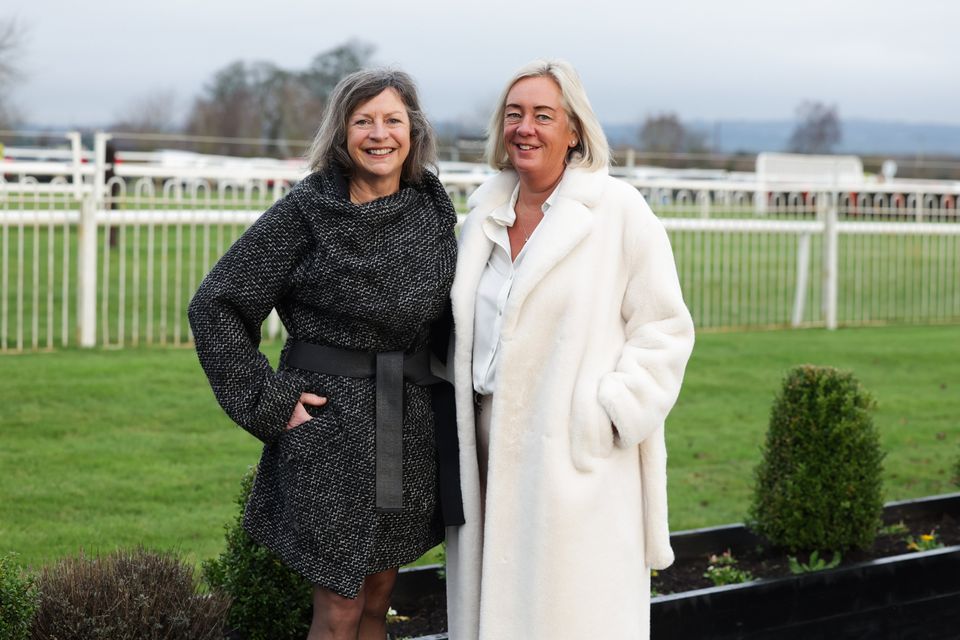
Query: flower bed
x=888, y=591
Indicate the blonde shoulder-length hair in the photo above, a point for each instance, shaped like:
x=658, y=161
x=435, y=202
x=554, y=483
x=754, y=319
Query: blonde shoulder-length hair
x=592, y=152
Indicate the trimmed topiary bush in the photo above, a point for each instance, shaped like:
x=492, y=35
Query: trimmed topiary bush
x=269, y=601
x=18, y=599
x=127, y=595
x=818, y=485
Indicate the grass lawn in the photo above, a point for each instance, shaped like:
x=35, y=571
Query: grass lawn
x=719, y=423
x=102, y=448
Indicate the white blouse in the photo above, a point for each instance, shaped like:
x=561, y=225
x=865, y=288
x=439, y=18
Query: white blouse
x=494, y=290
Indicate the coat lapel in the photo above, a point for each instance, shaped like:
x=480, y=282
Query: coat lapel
x=474, y=251
x=473, y=254
x=564, y=227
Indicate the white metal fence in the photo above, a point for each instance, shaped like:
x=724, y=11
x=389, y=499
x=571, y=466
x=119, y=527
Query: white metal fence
x=772, y=254
x=99, y=254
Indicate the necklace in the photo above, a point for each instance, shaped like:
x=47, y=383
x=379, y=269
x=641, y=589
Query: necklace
x=523, y=227
x=523, y=230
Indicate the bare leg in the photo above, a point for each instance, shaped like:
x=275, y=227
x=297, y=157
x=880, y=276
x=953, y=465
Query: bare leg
x=377, y=589
x=335, y=617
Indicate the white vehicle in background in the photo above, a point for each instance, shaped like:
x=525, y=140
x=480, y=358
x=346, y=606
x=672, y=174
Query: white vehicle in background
x=194, y=170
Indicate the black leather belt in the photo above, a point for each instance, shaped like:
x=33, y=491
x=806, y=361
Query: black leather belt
x=390, y=369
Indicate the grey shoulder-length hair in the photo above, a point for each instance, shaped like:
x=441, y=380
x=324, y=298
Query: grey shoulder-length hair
x=591, y=152
x=329, y=146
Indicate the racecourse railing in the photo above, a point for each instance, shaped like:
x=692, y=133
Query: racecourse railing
x=96, y=253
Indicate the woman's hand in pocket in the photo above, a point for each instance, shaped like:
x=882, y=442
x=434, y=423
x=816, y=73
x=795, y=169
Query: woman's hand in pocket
x=300, y=414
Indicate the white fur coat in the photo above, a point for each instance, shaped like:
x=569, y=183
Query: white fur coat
x=595, y=334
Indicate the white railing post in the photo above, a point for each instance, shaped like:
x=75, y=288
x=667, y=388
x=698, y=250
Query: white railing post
x=100, y=140
x=829, y=273
x=87, y=273
x=803, y=268
x=273, y=325
x=100, y=168
x=87, y=249
x=76, y=158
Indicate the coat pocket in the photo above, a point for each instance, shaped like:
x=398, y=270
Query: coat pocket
x=311, y=471
x=591, y=432
x=312, y=437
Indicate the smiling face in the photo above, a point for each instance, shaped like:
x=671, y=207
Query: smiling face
x=378, y=137
x=537, y=132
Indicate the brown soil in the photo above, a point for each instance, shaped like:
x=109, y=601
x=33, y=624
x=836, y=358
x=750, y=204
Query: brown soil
x=429, y=617
x=764, y=562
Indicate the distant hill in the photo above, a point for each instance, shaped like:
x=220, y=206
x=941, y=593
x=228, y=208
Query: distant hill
x=863, y=137
x=871, y=137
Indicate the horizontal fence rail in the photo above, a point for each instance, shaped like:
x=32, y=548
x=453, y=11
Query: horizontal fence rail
x=93, y=253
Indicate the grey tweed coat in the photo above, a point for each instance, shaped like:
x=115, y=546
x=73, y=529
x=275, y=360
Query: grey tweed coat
x=367, y=277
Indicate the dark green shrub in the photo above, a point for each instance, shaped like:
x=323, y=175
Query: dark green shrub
x=18, y=600
x=818, y=485
x=127, y=595
x=269, y=601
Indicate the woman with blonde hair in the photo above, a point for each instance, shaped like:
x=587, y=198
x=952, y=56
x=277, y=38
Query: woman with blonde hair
x=571, y=342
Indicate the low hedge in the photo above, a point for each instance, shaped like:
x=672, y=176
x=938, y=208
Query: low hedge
x=819, y=483
x=269, y=601
x=18, y=599
x=127, y=595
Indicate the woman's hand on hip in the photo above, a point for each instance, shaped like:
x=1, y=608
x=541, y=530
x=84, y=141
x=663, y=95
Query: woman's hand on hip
x=300, y=414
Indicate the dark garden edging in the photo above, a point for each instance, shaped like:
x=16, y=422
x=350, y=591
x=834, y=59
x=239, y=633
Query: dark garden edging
x=415, y=583
x=421, y=591
x=913, y=595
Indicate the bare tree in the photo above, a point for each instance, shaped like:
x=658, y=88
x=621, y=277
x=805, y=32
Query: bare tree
x=227, y=108
x=328, y=67
x=261, y=100
x=287, y=109
x=12, y=35
x=665, y=133
x=155, y=112
x=817, y=130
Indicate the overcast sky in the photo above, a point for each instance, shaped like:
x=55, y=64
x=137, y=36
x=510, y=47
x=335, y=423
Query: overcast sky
x=86, y=62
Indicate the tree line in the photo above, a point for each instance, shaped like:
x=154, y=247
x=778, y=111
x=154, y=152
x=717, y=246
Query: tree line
x=260, y=108
x=266, y=106
x=817, y=130
x=11, y=40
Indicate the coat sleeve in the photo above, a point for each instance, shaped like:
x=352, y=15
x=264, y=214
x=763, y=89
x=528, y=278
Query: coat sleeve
x=643, y=388
x=228, y=310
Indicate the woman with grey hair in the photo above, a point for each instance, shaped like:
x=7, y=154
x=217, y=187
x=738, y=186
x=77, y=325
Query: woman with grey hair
x=358, y=260
x=571, y=342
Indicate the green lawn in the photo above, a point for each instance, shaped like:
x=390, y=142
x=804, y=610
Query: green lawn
x=101, y=448
x=714, y=433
